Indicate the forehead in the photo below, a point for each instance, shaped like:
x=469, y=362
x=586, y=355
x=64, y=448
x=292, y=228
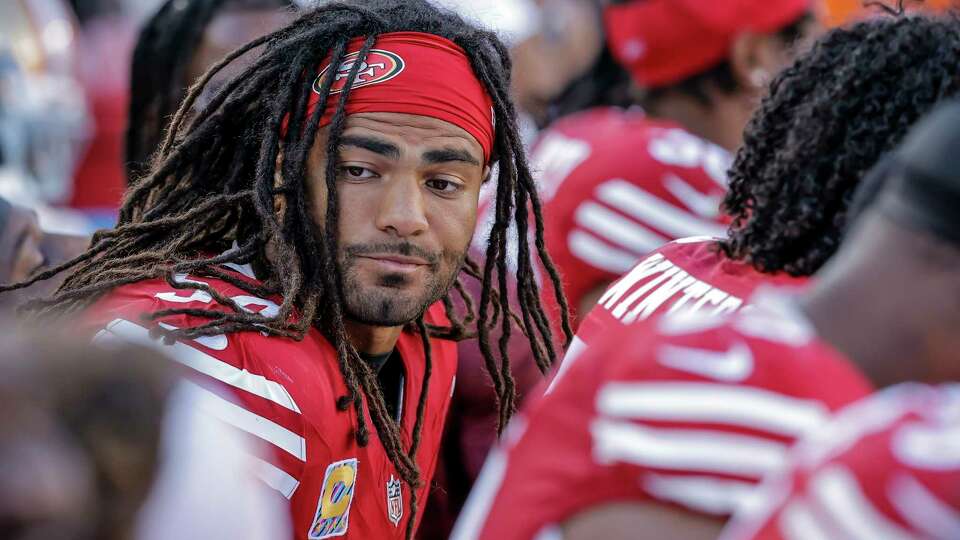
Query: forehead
x=412, y=130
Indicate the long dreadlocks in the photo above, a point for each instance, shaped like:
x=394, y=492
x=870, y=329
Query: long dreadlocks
x=221, y=184
x=165, y=48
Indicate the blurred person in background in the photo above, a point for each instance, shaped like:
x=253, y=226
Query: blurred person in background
x=221, y=251
x=828, y=119
x=104, y=443
x=618, y=183
x=26, y=249
x=177, y=45
x=664, y=433
x=44, y=120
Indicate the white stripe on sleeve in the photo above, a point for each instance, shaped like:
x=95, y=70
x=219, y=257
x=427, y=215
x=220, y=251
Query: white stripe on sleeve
x=618, y=229
x=685, y=450
x=253, y=424
x=702, y=493
x=838, y=495
x=797, y=522
x=656, y=212
x=599, y=254
x=276, y=478
x=740, y=406
x=129, y=332
x=923, y=510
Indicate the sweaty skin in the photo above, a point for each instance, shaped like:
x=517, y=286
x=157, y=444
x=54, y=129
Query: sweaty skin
x=408, y=188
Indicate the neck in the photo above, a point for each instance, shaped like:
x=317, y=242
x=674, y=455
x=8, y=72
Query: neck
x=870, y=323
x=721, y=122
x=372, y=339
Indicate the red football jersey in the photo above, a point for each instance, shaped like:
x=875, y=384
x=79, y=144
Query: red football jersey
x=690, y=275
x=284, y=393
x=692, y=411
x=617, y=185
x=887, y=468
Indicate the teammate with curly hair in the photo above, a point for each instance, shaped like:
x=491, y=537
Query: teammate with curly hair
x=827, y=120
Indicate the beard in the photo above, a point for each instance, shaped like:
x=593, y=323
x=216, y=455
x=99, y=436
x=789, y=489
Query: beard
x=395, y=299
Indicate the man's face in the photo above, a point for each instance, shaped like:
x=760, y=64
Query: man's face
x=408, y=188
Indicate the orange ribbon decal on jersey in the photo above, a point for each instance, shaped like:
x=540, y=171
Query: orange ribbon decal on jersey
x=333, y=510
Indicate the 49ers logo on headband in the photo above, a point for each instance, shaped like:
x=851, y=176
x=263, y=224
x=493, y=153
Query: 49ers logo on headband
x=379, y=66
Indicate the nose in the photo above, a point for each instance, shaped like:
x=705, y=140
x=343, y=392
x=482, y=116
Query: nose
x=401, y=211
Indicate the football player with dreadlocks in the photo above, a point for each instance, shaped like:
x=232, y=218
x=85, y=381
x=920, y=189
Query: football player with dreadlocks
x=299, y=239
x=668, y=426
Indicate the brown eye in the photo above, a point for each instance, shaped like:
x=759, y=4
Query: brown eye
x=442, y=185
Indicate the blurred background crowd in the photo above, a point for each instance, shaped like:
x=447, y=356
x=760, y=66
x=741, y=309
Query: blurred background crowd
x=85, y=89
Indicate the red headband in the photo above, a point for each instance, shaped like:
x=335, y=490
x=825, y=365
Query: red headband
x=414, y=73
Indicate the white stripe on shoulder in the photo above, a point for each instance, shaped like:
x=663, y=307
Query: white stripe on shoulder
x=923, y=510
x=685, y=449
x=597, y=253
x=837, y=494
x=702, y=493
x=276, y=478
x=124, y=330
x=251, y=423
x=741, y=406
x=654, y=211
x=797, y=522
x=618, y=229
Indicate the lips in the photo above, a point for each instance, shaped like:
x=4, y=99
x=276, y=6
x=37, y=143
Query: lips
x=396, y=263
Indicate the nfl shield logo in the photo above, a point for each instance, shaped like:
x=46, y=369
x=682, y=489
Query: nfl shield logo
x=394, y=501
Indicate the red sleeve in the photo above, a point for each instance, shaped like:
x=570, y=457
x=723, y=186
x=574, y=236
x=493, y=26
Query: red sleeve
x=636, y=185
x=887, y=467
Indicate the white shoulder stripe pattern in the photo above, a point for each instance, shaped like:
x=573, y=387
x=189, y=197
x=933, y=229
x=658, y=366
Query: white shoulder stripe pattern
x=596, y=252
x=686, y=450
x=276, y=478
x=836, y=493
x=124, y=330
x=701, y=493
x=922, y=509
x=656, y=212
x=618, y=229
x=739, y=406
x=253, y=424
x=799, y=523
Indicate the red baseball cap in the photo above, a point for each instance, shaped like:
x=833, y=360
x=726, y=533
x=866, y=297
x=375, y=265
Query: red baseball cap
x=664, y=41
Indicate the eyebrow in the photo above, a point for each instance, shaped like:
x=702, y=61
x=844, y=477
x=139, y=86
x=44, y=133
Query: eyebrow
x=445, y=155
x=377, y=146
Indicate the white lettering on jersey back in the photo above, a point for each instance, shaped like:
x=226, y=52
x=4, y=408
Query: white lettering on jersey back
x=732, y=365
x=657, y=282
x=679, y=148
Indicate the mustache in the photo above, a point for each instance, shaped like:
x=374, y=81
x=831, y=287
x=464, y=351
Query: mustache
x=404, y=248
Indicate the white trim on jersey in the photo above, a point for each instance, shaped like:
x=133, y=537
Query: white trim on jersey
x=275, y=477
x=654, y=211
x=837, y=494
x=124, y=330
x=923, y=510
x=618, y=229
x=702, y=493
x=252, y=423
x=797, y=522
x=740, y=406
x=598, y=253
x=685, y=449
x=484, y=493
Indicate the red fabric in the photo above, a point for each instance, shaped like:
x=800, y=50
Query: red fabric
x=617, y=185
x=305, y=373
x=892, y=460
x=637, y=418
x=413, y=73
x=682, y=275
x=665, y=41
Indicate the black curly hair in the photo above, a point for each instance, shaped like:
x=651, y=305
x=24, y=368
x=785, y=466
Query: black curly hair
x=228, y=180
x=827, y=120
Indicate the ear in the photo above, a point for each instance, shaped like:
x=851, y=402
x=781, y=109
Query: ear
x=486, y=174
x=754, y=58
